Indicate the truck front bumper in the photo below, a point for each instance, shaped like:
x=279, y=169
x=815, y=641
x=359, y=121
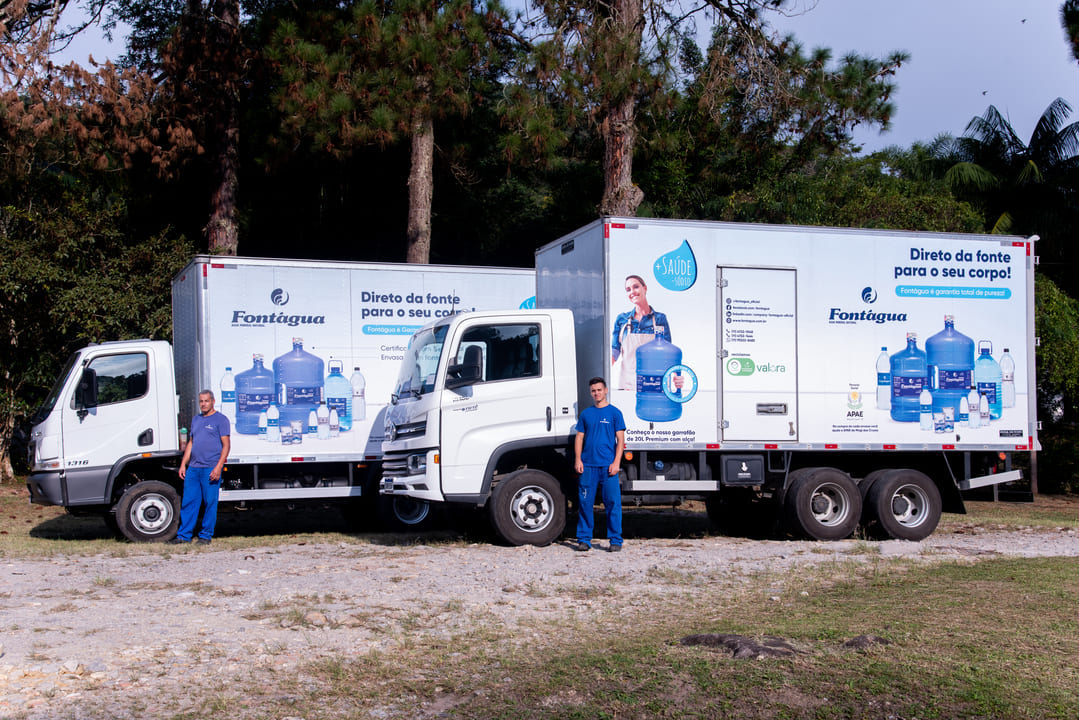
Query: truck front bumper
x=412, y=473
x=68, y=488
x=46, y=488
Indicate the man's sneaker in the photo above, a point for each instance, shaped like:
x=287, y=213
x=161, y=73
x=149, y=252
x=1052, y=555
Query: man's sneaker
x=582, y=547
x=177, y=541
x=203, y=541
x=615, y=548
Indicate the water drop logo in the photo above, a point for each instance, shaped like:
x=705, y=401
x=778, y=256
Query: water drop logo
x=869, y=295
x=676, y=270
x=529, y=304
x=279, y=297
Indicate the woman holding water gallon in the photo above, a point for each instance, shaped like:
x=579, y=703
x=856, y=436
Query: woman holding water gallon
x=634, y=328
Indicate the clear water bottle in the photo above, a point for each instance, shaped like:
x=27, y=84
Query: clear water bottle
x=988, y=378
x=963, y=418
x=273, y=423
x=950, y=355
x=323, y=417
x=254, y=391
x=359, y=395
x=264, y=425
x=975, y=417
x=339, y=393
x=1007, y=379
x=298, y=378
x=312, y=423
x=335, y=424
x=985, y=410
x=884, y=381
x=228, y=394
x=925, y=409
x=654, y=359
x=909, y=369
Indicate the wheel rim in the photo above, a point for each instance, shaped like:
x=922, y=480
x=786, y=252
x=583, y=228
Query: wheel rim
x=830, y=505
x=411, y=511
x=910, y=505
x=151, y=513
x=531, y=508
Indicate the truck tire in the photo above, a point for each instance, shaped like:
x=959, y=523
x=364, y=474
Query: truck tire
x=398, y=513
x=149, y=512
x=528, y=507
x=903, y=504
x=864, y=487
x=823, y=504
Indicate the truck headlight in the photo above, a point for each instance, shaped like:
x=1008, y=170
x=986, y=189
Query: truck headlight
x=417, y=464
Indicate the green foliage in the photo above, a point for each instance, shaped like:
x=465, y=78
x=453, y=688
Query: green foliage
x=1057, y=323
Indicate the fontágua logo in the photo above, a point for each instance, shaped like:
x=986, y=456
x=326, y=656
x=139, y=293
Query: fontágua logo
x=841, y=316
x=869, y=295
x=279, y=297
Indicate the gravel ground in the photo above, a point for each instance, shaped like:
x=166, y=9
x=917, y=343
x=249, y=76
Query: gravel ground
x=96, y=637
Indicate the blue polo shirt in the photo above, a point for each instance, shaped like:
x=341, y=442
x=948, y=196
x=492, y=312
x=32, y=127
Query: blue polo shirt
x=206, y=434
x=600, y=426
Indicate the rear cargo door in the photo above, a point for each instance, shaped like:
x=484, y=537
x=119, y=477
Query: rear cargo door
x=758, y=339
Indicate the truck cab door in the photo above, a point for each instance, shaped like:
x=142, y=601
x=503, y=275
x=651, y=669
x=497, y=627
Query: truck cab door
x=109, y=413
x=499, y=389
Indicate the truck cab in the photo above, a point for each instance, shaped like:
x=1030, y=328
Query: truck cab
x=483, y=414
x=112, y=411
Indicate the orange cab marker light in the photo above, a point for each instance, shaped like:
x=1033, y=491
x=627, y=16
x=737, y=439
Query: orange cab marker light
x=437, y=459
x=628, y=455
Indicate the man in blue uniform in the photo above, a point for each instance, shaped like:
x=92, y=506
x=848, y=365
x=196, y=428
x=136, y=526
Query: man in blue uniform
x=204, y=459
x=601, y=437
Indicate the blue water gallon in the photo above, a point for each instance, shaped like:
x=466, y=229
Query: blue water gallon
x=339, y=393
x=654, y=359
x=298, y=378
x=989, y=379
x=950, y=355
x=254, y=391
x=909, y=376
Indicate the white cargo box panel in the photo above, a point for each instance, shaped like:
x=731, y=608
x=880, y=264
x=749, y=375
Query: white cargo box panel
x=226, y=310
x=769, y=335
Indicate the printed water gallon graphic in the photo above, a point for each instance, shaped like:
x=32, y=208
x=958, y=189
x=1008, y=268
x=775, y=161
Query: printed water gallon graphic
x=909, y=370
x=254, y=391
x=676, y=270
x=298, y=377
x=989, y=380
x=663, y=382
x=339, y=393
x=950, y=355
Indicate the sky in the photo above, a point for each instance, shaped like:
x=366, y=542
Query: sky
x=965, y=56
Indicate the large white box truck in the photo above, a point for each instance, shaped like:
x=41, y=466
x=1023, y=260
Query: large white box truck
x=833, y=376
x=301, y=355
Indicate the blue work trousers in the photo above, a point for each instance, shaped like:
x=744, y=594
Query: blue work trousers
x=592, y=479
x=199, y=492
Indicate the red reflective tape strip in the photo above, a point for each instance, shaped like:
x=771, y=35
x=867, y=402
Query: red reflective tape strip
x=947, y=447
x=828, y=446
x=712, y=446
x=889, y=447
x=204, y=270
x=769, y=446
x=217, y=265
x=1020, y=447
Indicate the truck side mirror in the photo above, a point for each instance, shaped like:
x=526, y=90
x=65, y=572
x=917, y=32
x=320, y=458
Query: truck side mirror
x=463, y=374
x=86, y=391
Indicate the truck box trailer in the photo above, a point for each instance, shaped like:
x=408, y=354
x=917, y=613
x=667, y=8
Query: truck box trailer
x=832, y=376
x=301, y=356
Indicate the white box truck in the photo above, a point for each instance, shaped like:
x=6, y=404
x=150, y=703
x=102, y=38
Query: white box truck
x=829, y=376
x=301, y=355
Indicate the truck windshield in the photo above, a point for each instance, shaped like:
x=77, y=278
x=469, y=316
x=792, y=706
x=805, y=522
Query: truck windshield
x=50, y=401
x=421, y=362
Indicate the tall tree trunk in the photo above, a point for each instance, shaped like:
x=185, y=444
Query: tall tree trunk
x=7, y=431
x=223, y=230
x=421, y=186
x=618, y=128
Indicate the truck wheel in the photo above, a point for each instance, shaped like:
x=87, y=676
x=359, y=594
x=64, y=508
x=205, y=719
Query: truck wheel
x=868, y=516
x=823, y=504
x=904, y=504
x=149, y=512
x=404, y=514
x=528, y=507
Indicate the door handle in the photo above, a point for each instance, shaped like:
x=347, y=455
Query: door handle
x=146, y=437
x=549, y=419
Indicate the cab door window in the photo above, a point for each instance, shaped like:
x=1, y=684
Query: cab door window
x=120, y=377
x=503, y=352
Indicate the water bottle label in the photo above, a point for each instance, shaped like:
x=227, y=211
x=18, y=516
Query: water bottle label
x=272, y=422
x=339, y=404
x=907, y=386
x=1008, y=377
x=650, y=384
x=988, y=389
x=884, y=379
x=228, y=396
x=298, y=395
x=253, y=402
x=953, y=379
x=963, y=418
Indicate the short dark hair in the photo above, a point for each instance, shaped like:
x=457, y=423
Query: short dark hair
x=595, y=380
x=207, y=392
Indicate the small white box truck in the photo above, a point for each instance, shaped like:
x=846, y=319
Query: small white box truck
x=830, y=376
x=301, y=355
